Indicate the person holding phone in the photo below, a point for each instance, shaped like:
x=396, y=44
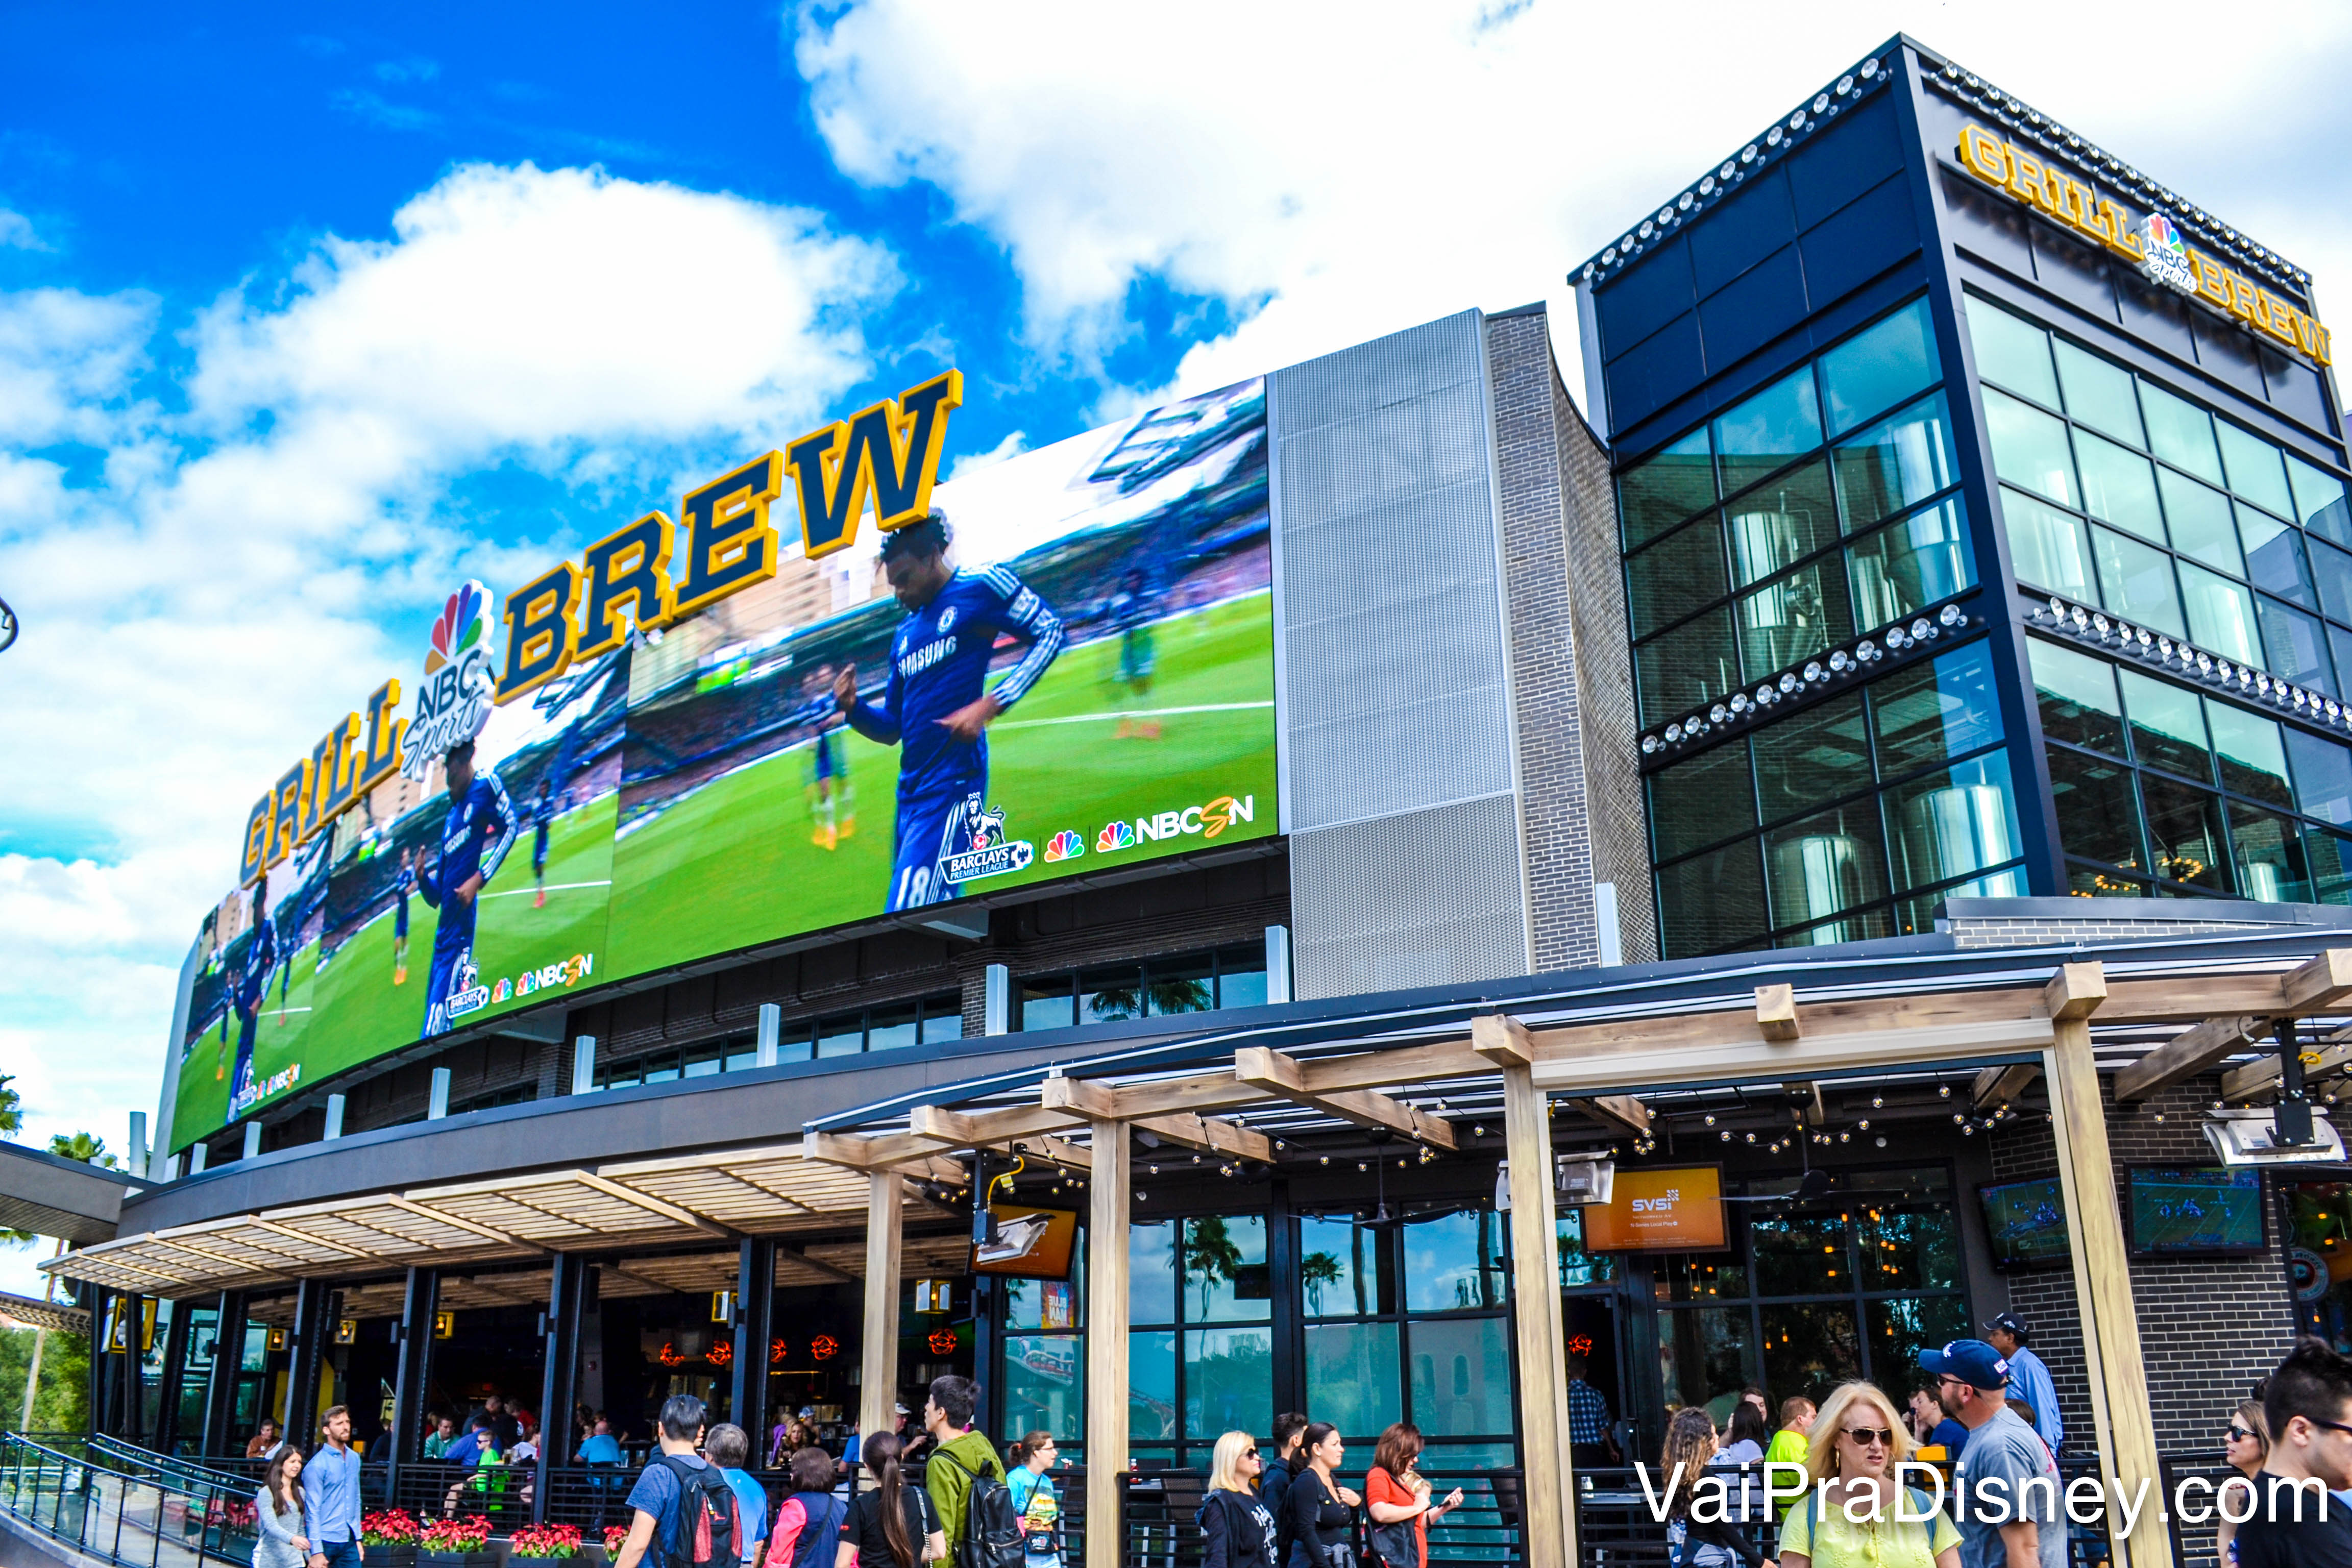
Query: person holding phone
x=1396, y=1495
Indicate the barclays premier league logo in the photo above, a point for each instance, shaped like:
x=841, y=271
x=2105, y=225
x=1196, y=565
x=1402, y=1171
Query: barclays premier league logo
x=453, y=703
x=2165, y=255
x=468, y=995
x=986, y=853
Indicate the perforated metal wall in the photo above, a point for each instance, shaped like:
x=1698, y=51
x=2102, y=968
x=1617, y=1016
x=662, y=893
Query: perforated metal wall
x=1399, y=789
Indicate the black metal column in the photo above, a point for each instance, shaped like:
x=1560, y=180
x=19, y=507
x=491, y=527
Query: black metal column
x=168, y=1386
x=560, y=1364
x=228, y=1364
x=127, y=1400
x=305, y=1349
x=755, y=1316
x=101, y=1362
x=413, y=1335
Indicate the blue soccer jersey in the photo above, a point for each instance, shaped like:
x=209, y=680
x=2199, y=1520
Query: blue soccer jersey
x=402, y=885
x=474, y=838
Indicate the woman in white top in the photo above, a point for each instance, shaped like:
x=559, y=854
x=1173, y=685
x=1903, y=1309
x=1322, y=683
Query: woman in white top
x=281, y=1525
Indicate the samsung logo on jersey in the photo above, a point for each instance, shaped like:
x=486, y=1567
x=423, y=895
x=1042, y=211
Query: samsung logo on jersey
x=1208, y=821
x=923, y=658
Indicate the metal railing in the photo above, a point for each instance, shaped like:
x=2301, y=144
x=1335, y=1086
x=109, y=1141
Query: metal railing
x=138, y=1521
x=131, y=1459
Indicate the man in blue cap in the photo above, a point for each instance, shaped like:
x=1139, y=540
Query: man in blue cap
x=2029, y=1380
x=2005, y=1486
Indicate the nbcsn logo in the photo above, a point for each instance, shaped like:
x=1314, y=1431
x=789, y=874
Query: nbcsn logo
x=1208, y=821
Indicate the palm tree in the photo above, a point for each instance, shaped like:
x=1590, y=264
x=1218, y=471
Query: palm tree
x=1316, y=1270
x=11, y=1109
x=1210, y=1251
x=83, y=1147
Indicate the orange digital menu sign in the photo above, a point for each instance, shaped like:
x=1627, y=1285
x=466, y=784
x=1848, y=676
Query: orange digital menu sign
x=1678, y=1210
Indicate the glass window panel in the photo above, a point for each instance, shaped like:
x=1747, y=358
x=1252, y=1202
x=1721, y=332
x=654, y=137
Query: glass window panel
x=2329, y=857
x=1045, y=1385
x=2118, y=486
x=1151, y=1386
x=2047, y=547
x=1897, y=463
x=2099, y=813
x=738, y=1060
x=1858, y=925
x=1952, y=824
x=1338, y=1269
x=2029, y=449
x=1461, y=1375
x=1453, y=1261
x=1815, y=757
x=706, y=1061
x=2256, y=469
x=1577, y=1266
x=1228, y=1381
x=1809, y=1349
x=2136, y=580
x=1351, y=1377
x=2099, y=393
x=1793, y=618
x=796, y=1042
x=2084, y=882
x=1905, y=566
x=1702, y=1276
x=1762, y=434
x=1109, y=994
x=2180, y=433
x=2184, y=833
x=1706, y=1355
x=942, y=1020
x=1675, y=576
x=1826, y=865
x=2269, y=850
x=1712, y=900
x=1686, y=667
x=2077, y=696
x=2253, y=753
x=2297, y=644
x=2322, y=776
x=2201, y=524
x=1224, y=1270
x=2167, y=726
x=1879, y=367
x=1799, y=1254
x=1152, y=1272
x=1930, y=713
x=893, y=1028
x=1045, y=1002
x=1902, y=1327
x=2331, y=571
x=1916, y=916
x=663, y=1069
x=2220, y=615
x=841, y=1034
x=1241, y=976
x=1667, y=489
x=1181, y=985
x=2275, y=557
x=2011, y=351
x=1701, y=800
x=1781, y=521
x=1908, y=1246
x=2319, y=502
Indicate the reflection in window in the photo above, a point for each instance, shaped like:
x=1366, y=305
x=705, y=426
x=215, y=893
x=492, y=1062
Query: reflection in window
x=2180, y=433
x=2167, y=726
x=1151, y=1386
x=1578, y=1266
x=1953, y=824
x=2099, y=813
x=1803, y=760
x=2323, y=778
x=2254, y=757
x=1793, y=618
x=1045, y=1386
x=2201, y=521
x=1898, y=463
x=1825, y=865
x=2269, y=854
x=1707, y=1355
x=1667, y=489
x=2136, y=581
x=1453, y=1261
x=1225, y=1269
x=2184, y=832
x=1686, y=666
x=2319, y=500
x=1352, y=1377
x=2029, y=449
x=2275, y=557
x=1762, y=434
x=1712, y=900
x=2077, y=696
x=2011, y=351
x=1675, y=576
x=1905, y=566
x=1933, y=712
x=1879, y=366
x=2254, y=468
x=1707, y=798
x=1152, y=1272
x=1461, y=1375
x=1781, y=522
x=2220, y=615
x=1228, y=1381
x=2099, y=393
x=2047, y=547
x=2118, y=486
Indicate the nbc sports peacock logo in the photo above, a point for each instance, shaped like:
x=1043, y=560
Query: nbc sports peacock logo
x=1206, y=820
x=1114, y=836
x=1066, y=845
x=455, y=699
x=2165, y=255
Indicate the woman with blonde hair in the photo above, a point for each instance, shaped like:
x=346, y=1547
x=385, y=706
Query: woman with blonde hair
x=1856, y=1446
x=1237, y=1531
x=2246, y=1443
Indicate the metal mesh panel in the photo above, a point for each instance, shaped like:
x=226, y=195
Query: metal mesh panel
x=1427, y=897
x=1397, y=780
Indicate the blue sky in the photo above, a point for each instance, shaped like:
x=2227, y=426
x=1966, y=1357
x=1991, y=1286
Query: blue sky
x=307, y=313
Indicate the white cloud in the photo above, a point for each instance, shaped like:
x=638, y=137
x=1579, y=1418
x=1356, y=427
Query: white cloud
x=1334, y=181
x=17, y=232
x=1012, y=445
x=197, y=607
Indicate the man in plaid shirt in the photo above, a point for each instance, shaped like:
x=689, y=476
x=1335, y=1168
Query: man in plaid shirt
x=1587, y=1417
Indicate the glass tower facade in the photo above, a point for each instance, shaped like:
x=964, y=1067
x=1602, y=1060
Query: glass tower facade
x=1963, y=554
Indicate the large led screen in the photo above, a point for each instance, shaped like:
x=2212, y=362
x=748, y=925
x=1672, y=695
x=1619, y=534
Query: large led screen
x=702, y=790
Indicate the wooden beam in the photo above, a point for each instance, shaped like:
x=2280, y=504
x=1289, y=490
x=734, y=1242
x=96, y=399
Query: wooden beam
x=1109, y=1204
x=886, y=1236
x=1211, y=1136
x=1815, y=1054
x=1549, y=1512
x=290, y=1233
x=1618, y=1112
x=2322, y=984
x=1275, y=1073
x=1776, y=1012
x=1999, y=1084
x=411, y=1205
x=1502, y=1040
x=1061, y=1151
x=2184, y=1056
x=2076, y=991
x=2262, y=1077
x=986, y=1129
x=650, y=1204
x=2123, y=1422
x=1201, y=1095
x=903, y=1152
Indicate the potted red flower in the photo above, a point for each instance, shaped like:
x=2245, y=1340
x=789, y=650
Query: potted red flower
x=545, y=1541
x=455, y=1544
x=615, y=1535
x=390, y=1536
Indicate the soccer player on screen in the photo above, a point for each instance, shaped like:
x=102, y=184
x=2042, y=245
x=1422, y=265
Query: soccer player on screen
x=404, y=883
x=542, y=816
x=937, y=706
x=247, y=994
x=474, y=838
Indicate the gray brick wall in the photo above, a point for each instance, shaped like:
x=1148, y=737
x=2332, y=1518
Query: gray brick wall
x=2209, y=1327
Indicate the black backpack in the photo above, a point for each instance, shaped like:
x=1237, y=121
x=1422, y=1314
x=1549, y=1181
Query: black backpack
x=708, y=1531
x=992, y=1525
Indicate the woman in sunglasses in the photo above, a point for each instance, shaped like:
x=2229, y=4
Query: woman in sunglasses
x=2246, y=1443
x=1237, y=1531
x=1858, y=1439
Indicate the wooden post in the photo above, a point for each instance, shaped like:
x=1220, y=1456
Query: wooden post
x=2123, y=1427
x=1109, y=1202
x=885, y=1229
x=1550, y=1508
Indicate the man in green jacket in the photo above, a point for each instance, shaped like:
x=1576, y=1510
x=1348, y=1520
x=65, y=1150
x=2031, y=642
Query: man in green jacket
x=961, y=1453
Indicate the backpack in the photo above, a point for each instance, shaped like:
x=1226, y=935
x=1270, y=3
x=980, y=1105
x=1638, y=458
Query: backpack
x=992, y=1525
x=708, y=1531
x=813, y=1547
